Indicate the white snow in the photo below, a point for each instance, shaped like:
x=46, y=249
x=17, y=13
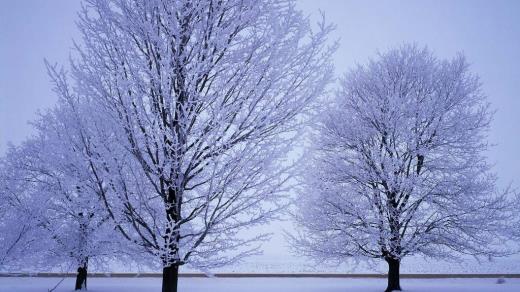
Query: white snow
x=24, y=284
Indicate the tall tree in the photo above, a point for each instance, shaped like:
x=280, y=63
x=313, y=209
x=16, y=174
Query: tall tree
x=399, y=167
x=198, y=102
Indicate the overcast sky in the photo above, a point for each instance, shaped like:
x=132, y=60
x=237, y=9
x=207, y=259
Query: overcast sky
x=488, y=32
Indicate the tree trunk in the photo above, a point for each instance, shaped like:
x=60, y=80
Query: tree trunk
x=393, y=275
x=170, y=278
x=81, y=278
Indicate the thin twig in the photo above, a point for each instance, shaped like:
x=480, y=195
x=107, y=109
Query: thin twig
x=50, y=290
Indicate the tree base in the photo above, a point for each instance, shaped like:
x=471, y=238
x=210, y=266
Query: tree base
x=393, y=275
x=81, y=279
x=170, y=278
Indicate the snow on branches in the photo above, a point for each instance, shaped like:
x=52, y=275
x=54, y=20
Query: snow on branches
x=399, y=166
x=53, y=191
x=194, y=105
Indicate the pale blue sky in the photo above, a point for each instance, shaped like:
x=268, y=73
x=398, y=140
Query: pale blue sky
x=488, y=32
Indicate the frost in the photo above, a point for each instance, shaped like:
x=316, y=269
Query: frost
x=399, y=169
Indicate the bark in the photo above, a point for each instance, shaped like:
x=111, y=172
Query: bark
x=81, y=278
x=393, y=275
x=170, y=278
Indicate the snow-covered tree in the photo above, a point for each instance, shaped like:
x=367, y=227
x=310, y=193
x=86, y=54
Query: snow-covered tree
x=52, y=190
x=399, y=167
x=198, y=102
x=19, y=215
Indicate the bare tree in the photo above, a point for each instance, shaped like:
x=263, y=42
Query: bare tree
x=194, y=105
x=399, y=167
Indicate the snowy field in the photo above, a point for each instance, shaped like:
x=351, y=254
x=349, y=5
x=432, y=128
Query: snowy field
x=23, y=284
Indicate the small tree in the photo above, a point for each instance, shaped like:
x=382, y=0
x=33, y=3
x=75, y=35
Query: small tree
x=194, y=104
x=49, y=181
x=399, y=167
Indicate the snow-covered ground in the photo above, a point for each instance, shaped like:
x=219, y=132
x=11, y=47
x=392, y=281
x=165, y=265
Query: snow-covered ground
x=24, y=284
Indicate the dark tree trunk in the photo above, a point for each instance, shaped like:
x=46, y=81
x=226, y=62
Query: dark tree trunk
x=81, y=278
x=393, y=275
x=170, y=278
